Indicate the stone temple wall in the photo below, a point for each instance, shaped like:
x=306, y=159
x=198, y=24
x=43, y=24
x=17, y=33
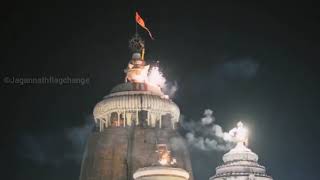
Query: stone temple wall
x=116, y=153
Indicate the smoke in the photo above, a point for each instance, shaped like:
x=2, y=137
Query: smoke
x=170, y=88
x=241, y=69
x=208, y=118
x=55, y=148
x=78, y=138
x=206, y=135
x=177, y=143
x=156, y=77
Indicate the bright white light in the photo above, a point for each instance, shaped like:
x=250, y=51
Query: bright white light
x=174, y=161
x=155, y=77
x=163, y=162
x=239, y=134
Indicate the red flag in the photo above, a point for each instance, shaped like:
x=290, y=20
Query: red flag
x=140, y=21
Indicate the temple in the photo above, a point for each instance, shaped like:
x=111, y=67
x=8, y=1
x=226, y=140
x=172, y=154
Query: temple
x=240, y=162
x=134, y=125
x=164, y=169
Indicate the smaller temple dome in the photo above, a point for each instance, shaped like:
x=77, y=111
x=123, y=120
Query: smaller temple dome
x=240, y=152
x=161, y=173
x=240, y=162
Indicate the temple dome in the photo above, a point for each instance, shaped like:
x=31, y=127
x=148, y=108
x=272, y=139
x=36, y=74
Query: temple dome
x=241, y=163
x=155, y=90
x=240, y=153
x=161, y=173
x=128, y=99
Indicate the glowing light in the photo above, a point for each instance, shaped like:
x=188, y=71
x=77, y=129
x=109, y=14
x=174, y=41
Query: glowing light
x=163, y=162
x=173, y=161
x=155, y=77
x=164, y=156
x=137, y=74
x=239, y=134
x=165, y=96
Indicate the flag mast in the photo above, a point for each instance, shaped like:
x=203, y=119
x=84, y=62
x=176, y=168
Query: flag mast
x=137, y=43
x=136, y=34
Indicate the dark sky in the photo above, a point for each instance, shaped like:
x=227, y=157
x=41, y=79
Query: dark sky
x=255, y=62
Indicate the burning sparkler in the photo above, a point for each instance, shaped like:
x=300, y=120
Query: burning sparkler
x=164, y=155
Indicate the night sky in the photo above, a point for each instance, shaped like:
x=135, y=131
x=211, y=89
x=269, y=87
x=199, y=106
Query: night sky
x=255, y=62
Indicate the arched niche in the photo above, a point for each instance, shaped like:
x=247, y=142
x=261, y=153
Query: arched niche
x=143, y=118
x=166, y=121
x=114, y=119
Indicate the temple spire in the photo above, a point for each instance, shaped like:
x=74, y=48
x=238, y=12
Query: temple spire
x=137, y=70
x=137, y=45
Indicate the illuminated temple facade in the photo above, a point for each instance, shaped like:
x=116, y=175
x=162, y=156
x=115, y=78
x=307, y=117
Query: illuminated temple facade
x=134, y=127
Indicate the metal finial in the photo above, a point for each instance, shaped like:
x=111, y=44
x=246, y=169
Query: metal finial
x=136, y=44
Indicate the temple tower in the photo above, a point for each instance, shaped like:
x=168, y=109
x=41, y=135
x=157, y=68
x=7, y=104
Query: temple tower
x=131, y=122
x=164, y=169
x=240, y=162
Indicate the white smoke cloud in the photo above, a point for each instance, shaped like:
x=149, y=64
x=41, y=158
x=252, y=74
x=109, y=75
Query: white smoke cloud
x=213, y=144
x=78, y=138
x=206, y=135
x=208, y=118
x=243, y=69
x=177, y=143
x=218, y=131
x=170, y=88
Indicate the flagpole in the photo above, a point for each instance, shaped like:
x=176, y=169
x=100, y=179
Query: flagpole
x=136, y=27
